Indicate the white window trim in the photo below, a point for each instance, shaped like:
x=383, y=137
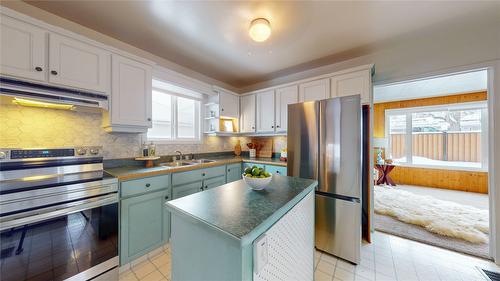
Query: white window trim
x=176, y=140
x=483, y=105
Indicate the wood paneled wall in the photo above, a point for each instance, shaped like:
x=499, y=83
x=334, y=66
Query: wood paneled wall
x=439, y=178
x=446, y=179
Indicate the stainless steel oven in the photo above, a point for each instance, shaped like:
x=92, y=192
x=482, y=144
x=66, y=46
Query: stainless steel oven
x=58, y=215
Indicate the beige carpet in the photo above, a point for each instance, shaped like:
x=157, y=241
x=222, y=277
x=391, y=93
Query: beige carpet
x=393, y=226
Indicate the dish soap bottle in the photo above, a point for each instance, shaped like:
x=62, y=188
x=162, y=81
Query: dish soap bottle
x=152, y=149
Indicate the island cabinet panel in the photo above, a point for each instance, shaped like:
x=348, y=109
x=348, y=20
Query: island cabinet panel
x=179, y=191
x=214, y=182
x=143, y=224
x=233, y=172
x=277, y=170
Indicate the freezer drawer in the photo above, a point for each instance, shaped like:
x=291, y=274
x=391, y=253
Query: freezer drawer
x=338, y=227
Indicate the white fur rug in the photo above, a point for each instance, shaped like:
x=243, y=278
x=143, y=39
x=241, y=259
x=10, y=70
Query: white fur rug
x=438, y=216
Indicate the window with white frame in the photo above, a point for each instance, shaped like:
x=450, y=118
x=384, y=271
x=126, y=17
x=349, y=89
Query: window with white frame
x=176, y=118
x=450, y=136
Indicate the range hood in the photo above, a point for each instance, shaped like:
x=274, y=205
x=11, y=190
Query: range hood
x=50, y=94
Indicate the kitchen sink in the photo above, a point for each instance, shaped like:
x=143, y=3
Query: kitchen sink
x=177, y=164
x=202, y=161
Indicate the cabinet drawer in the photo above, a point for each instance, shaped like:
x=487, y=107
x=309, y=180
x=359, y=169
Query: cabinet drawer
x=233, y=172
x=214, y=172
x=214, y=182
x=277, y=170
x=186, y=189
x=186, y=177
x=135, y=187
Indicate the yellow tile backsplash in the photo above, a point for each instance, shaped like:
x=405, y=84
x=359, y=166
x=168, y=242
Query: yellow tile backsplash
x=41, y=127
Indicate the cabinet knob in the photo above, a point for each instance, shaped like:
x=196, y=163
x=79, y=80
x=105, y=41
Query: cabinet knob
x=148, y=185
x=277, y=126
x=229, y=170
x=166, y=197
x=222, y=109
x=203, y=174
x=53, y=72
x=201, y=188
x=272, y=127
x=253, y=127
x=278, y=172
x=149, y=119
x=38, y=68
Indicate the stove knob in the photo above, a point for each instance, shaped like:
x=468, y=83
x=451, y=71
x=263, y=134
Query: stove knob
x=81, y=151
x=94, y=151
x=3, y=155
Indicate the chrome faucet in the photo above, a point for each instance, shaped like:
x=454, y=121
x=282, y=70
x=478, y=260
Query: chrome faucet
x=180, y=154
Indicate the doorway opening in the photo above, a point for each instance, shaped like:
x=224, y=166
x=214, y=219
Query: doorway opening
x=431, y=161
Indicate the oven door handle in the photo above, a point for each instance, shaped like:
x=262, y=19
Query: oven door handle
x=66, y=209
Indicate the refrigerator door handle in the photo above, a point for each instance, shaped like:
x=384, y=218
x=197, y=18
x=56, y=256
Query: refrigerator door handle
x=338, y=196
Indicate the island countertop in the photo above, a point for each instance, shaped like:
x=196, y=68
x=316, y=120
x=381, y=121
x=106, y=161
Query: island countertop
x=240, y=212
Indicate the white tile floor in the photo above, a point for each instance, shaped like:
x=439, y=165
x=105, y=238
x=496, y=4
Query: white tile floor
x=388, y=258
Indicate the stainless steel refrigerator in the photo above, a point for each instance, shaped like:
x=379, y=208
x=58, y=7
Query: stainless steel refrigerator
x=324, y=143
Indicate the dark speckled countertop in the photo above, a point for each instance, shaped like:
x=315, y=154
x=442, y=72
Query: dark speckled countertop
x=125, y=173
x=237, y=210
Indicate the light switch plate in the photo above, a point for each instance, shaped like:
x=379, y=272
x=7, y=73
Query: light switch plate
x=260, y=253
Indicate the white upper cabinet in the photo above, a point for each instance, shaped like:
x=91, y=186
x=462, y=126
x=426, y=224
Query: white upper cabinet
x=229, y=105
x=354, y=83
x=284, y=97
x=130, y=96
x=247, y=117
x=265, y=112
x=314, y=90
x=23, y=49
x=76, y=64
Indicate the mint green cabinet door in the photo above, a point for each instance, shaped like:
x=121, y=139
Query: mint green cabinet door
x=233, y=172
x=141, y=225
x=166, y=219
x=277, y=170
x=179, y=191
x=214, y=182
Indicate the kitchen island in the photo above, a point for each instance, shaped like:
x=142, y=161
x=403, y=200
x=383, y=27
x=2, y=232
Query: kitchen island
x=234, y=233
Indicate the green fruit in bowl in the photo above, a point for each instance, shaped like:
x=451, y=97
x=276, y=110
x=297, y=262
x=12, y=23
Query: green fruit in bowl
x=266, y=174
x=255, y=171
x=248, y=170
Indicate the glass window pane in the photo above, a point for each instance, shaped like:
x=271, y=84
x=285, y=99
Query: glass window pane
x=162, y=116
x=397, y=135
x=186, y=118
x=447, y=138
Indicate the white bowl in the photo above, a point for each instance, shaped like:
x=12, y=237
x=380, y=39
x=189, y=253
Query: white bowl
x=257, y=183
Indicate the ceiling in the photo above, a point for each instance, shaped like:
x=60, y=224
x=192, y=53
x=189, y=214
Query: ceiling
x=432, y=87
x=212, y=37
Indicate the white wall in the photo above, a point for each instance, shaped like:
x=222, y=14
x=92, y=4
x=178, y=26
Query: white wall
x=451, y=45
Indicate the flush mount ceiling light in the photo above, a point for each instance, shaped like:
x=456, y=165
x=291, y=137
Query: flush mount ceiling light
x=260, y=30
